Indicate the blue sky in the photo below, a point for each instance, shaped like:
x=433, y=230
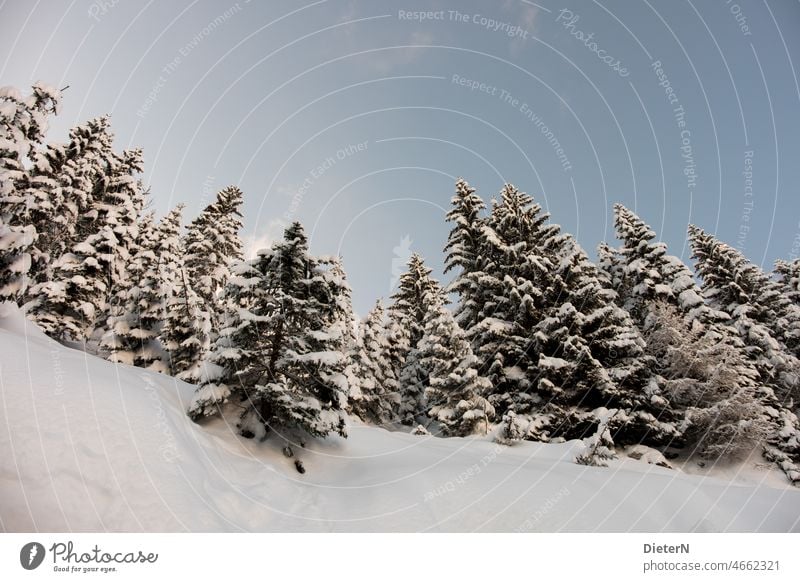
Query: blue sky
x=357, y=117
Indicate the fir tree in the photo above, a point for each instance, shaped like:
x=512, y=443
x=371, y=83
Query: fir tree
x=735, y=286
x=455, y=390
x=75, y=301
x=23, y=123
x=64, y=180
x=465, y=245
x=280, y=353
x=417, y=293
x=370, y=373
x=211, y=243
x=788, y=274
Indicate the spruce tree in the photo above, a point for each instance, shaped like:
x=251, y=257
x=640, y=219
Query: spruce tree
x=212, y=241
x=464, y=253
x=63, y=180
x=455, y=391
x=280, y=353
x=74, y=302
x=788, y=275
x=735, y=286
x=370, y=373
x=23, y=124
x=417, y=293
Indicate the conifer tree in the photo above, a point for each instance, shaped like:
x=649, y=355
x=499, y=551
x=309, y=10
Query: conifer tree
x=463, y=252
x=64, y=179
x=455, y=391
x=23, y=123
x=417, y=293
x=212, y=241
x=788, y=274
x=74, y=302
x=280, y=353
x=370, y=373
x=735, y=286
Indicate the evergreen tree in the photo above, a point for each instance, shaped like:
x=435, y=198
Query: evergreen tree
x=187, y=328
x=23, y=123
x=735, y=286
x=455, y=389
x=465, y=245
x=211, y=243
x=75, y=301
x=417, y=293
x=280, y=352
x=648, y=276
x=515, y=272
x=139, y=306
x=788, y=274
x=370, y=374
x=64, y=179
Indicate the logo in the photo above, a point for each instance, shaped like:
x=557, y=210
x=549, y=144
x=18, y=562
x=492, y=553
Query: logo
x=31, y=555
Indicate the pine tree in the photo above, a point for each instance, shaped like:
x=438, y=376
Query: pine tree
x=514, y=275
x=417, y=293
x=64, y=179
x=138, y=308
x=370, y=373
x=75, y=301
x=788, y=274
x=735, y=286
x=455, y=390
x=464, y=252
x=280, y=352
x=648, y=276
x=23, y=124
x=211, y=243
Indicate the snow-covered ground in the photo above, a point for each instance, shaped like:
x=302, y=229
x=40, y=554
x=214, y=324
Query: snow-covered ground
x=87, y=445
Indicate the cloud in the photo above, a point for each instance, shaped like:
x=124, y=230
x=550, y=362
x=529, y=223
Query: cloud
x=264, y=238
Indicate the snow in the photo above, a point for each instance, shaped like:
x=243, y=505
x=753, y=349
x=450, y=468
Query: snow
x=88, y=445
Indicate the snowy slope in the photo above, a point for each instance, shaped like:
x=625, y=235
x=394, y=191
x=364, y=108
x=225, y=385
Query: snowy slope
x=88, y=445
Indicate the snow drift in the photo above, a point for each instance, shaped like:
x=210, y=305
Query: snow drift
x=89, y=445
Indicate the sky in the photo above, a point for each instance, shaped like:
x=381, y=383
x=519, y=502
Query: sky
x=356, y=118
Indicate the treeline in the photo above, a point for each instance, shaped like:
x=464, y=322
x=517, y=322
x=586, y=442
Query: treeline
x=541, y=343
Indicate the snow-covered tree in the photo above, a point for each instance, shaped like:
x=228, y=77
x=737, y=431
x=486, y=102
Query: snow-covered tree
x=139, y=306
x=735, y=286
x=455, y=391
x=64, y=179
x=212, y=241
x=279, y=354
x=370, y=374
x=23, y=124
x=417, y=294
x=74, y=302
x=788, y=274
x=515, y=272
x=646, y=275
x=463, y=253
